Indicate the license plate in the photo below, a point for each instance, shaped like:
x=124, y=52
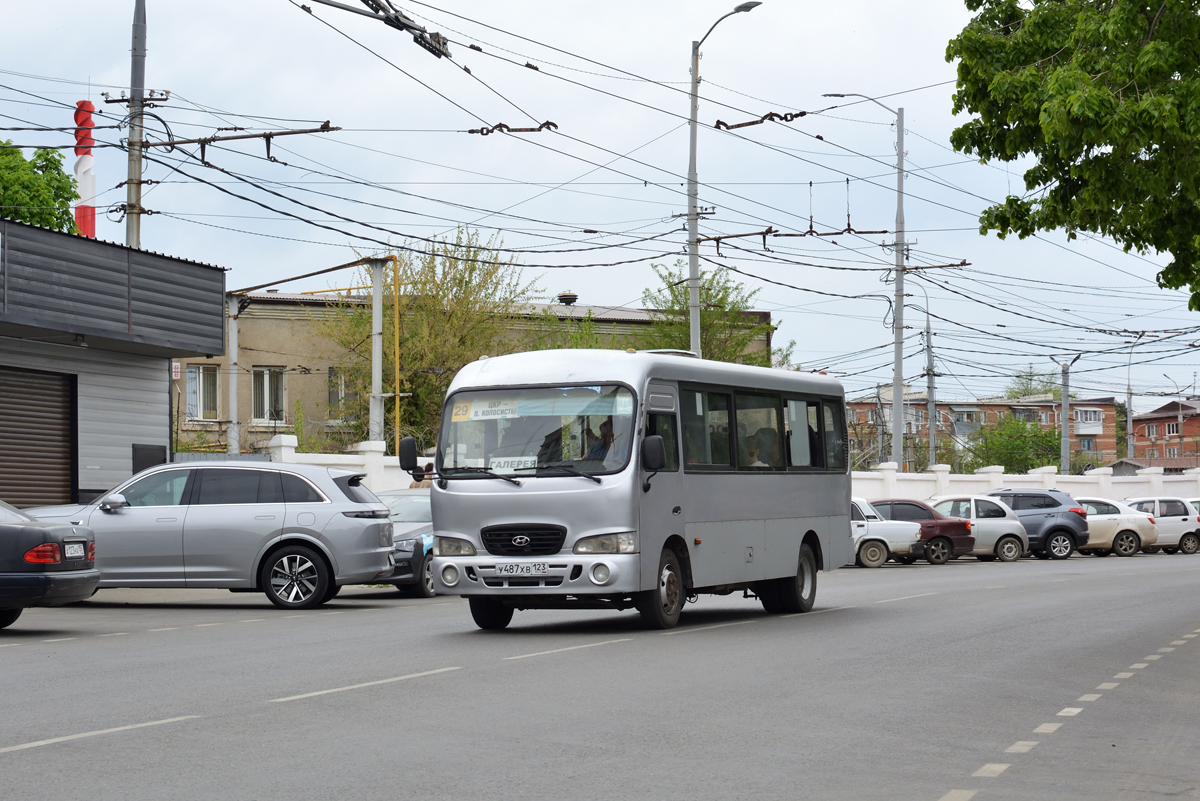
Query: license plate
x=522, y=569
x=74, y=550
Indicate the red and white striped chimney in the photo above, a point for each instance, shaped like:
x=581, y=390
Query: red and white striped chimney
x=85, y=211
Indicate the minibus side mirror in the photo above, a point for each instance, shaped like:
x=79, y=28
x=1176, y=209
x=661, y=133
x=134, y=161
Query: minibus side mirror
x=654, y=458
x=407, y=451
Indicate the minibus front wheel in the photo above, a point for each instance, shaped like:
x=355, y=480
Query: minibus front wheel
x=660, y=607
x=490, y=613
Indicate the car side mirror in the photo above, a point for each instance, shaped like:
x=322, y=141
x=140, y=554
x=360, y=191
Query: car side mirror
x=654, y=457
x=113, y=502
x=407, y=452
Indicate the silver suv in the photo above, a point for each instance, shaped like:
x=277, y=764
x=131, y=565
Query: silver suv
x=296, y=532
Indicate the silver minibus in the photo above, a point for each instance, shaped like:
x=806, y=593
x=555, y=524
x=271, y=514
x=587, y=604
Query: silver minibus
x=605, y=479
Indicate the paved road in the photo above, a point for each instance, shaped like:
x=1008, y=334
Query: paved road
x=1035, y=680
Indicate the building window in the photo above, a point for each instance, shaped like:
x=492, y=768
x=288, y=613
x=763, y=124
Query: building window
x=1044, y=418
x=1087, y=444
x=202, y=392
x=964, y=417
x=1172, y=453
x=341, y=400
x=1088, y=416
x=1172, y=429
x=1152, y=453
x=268, y=395
x=1152, y=430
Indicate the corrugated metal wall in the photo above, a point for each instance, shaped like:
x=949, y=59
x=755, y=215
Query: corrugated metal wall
x=122, y=400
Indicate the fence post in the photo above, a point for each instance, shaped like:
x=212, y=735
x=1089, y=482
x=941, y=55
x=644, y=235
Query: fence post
x=994, y=474
x=941, y=477
x=1154, y=474
x=888, y=471
x=1194, y=472
x=1048, y=475
x=282, y=447
x=1103, y=479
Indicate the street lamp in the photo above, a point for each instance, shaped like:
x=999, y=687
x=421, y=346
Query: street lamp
x=1179, y=409
x=693, y=190
x=898, y=312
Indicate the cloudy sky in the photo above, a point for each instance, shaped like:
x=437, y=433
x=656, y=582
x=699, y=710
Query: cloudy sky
x=592, y=205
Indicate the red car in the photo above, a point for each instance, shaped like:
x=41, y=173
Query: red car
x=943, y=536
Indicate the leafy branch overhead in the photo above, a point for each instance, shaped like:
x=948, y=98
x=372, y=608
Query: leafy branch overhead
x=37, y=191
x=1105, y=96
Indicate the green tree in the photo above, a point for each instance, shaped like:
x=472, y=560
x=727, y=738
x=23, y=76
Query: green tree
x=36, y=191
x=1104, y=95
x=1017, y=445
x=729, y=330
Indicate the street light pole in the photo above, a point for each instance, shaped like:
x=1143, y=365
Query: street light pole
x=693, y=190
x=1179, y=409
x=898, y=310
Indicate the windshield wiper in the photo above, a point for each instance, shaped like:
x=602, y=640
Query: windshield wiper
x=483, y=471
x=571, y=471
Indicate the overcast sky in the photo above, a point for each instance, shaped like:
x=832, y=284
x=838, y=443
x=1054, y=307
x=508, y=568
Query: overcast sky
x=613, y=77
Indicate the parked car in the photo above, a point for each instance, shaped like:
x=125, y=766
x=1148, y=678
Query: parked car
x=1178, y=523
x=997, y=531
x=43, y=564
x=944, y=537
x=295, y=532
x=412, y=541
x=1055, y=524
x=876, y=539
x=1115, y=528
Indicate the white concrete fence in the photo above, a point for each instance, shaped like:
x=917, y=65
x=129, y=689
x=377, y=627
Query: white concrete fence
x=885, y=481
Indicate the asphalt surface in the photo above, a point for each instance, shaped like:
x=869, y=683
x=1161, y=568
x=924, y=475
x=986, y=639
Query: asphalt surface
x=1031, y=680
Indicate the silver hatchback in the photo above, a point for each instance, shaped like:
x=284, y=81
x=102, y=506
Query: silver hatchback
x=295, y=532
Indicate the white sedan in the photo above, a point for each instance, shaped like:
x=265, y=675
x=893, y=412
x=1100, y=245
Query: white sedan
x=876, y=539
x=997, y=529
x=1114, y=527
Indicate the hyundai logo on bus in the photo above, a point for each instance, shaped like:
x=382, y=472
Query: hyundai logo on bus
x=520, y=541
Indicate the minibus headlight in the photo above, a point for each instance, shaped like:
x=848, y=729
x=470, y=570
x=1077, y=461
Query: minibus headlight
x=449, y=546
x=625, y=542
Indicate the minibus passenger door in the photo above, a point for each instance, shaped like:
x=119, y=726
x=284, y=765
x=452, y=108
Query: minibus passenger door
x=662, y=514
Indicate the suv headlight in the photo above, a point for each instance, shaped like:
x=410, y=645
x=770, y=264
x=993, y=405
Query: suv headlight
x=625, y=542
x=450, y=546
x=405, y=545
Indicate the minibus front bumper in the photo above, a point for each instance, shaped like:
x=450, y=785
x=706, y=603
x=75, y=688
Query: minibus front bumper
x=560, y=574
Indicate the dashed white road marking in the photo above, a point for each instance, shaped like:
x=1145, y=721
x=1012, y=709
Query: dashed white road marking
x=1152, y=657
x=61, y=639
x=114, y=634
x=571, y=648
x=959, y=795
x=1165, y=650
x=1189, y=636
x=1109, y=685
x=1090, y=697
x=1070, y=711
x=360, y=686
x=997, y=587
x=1021, y=747
x=1196, y=631
x=69, y=737
x=709, y=628
x=818, y=611
x=1123, y=676
x=1056, y=581
x=287, y=616
x=168, y=628
x=203, y=625
x=253, y=620
x=10, y=645
x=1138, y=666
x=906, y=597
x=991, y=770
x=1178, y=642
x=1047, y=728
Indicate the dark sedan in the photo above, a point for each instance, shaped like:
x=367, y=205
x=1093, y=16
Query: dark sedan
x=943, y=536
x=43, y=563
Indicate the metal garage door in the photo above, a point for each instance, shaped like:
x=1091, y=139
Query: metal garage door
x=36, y=437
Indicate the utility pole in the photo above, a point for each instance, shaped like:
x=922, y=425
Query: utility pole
x=233, y=433
x=1065, y=452
x=375, y=412
x=932, y=404
x=137, y=88
x=898, y=312
x=1179, y=411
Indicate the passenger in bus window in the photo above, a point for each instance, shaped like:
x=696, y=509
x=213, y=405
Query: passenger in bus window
x=601, y=445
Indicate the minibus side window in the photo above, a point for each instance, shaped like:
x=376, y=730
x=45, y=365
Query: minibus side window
x=803, y=443
x=760, y=446
x=664, y=425
x=705, y=428
x=835, y=436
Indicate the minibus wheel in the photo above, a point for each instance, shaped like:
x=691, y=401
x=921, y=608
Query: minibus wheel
x=794, y=593
x=490, y=614
x=660, y=607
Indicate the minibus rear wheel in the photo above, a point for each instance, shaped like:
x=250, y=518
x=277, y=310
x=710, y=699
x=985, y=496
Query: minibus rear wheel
x=490, y=614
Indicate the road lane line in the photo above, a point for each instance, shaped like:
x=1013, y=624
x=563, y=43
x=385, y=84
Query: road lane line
x=61, y=639
x=1138, y=666
x=360, y=686
x=1165, y=650
x=818, y=611
x=285, y=617
x=114, y=634
x=1189, y=636
x=202, y=625
x=1109, y=685
x=253, y=620
x=709, y=628
x=1178, y=642
x=1047, y=728
x=1090, y=697
x=1056, y=581
x=905, y=598
x=571, y=648
x=10, y=645
x=991, y=770
x=1152, y=657
x=1123, y=676
x=1021, y=747
x=69, y=737
x=997, y=587
x=959, y=795
x=1070, y=711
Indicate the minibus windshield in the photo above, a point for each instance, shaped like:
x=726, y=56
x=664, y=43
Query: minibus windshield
x=532, y=431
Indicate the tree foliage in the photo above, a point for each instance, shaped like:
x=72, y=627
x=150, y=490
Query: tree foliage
x=1015, y=444
x=729, y=328
x=1105, y=96
x=36, y=191
x=1032, y=382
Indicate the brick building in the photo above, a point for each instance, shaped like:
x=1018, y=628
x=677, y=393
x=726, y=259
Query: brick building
x=1159, y=434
